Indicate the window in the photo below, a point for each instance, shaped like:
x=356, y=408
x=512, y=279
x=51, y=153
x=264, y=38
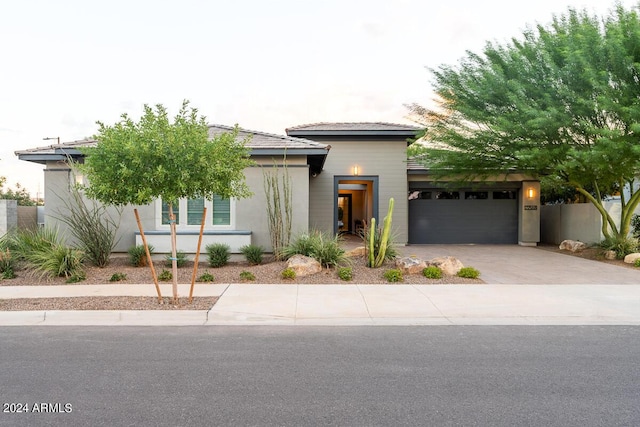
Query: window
x=476, y=195
x=504, y=195
x=188, y=213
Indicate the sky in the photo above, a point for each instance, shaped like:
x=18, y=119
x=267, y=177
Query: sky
x=264, y=65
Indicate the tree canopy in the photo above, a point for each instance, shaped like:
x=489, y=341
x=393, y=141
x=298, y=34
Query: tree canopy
x=20, y=194
x=561, y=101
x=137, y=162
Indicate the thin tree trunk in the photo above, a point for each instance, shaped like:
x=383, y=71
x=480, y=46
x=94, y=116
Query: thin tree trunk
x=174, y=259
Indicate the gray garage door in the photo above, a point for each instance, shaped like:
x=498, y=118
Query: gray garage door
x=442, y=216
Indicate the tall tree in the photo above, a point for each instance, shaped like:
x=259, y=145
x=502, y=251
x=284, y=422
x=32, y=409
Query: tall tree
x=139, y=162
x=20, y=194
x=562, y=101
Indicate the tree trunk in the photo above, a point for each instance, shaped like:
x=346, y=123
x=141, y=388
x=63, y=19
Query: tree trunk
x=174, y=259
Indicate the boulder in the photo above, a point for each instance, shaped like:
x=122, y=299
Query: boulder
x=572, y=245
x=631, y=258
x=410, y=265
x=448, y=264
x=610, y=255
x=304, y=265
x=357, y=252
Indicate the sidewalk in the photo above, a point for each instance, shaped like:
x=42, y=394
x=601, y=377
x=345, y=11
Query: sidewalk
x=502, y=304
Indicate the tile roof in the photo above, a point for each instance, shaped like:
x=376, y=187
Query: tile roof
x=259, y=140
x=354, y=126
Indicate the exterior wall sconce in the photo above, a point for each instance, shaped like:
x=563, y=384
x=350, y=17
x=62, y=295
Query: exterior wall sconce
x=356, y=170
x=531, y=193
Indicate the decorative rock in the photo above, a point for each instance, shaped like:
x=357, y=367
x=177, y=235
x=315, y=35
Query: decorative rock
x=610, y=255
x=357, y=252
x=572, y=245
x=448, y=264
x=304, y=265
x=410, y=265
x=631, y=258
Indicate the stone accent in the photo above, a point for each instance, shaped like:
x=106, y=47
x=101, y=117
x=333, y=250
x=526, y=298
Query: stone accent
x=631, y=258
x=572, y=245
x=304, y=265
x=357, y=252
x=410, y=265
x=448, y=264
x=8, y=215
x=610, y=255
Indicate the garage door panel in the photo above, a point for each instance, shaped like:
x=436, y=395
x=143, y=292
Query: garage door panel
x=463, y=221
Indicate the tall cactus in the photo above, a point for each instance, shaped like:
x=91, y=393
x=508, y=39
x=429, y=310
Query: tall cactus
x=372, y=243
x=376, y=259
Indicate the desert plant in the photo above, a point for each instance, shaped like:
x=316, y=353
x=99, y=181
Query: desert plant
x=205, y=277
x=7, y=264
x=247, y=275
x=380, y=241
x=77, y=277
x=24, y=242
x=621, y=246
x=468, y=273
x=279, y=207
x=138, y=256
x=165, y=275
x=323, y=247
x=389, y=253
x=432, y=272
x=301, y=245
x=118, y=277
x=252, y=253
x=219, y=254
x=345, y=273
x=58, y=261
x=393, y=275
x=289, y=274
x=92, y=225
x=181, y=259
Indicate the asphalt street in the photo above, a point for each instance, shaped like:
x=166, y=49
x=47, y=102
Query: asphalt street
x=305, y=376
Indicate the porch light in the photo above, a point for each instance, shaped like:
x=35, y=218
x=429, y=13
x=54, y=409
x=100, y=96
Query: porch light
x=531, y=193
x=356, y=170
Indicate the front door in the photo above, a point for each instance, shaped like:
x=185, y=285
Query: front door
x=344, y=213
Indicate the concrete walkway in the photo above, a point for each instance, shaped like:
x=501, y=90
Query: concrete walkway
x=526, y=286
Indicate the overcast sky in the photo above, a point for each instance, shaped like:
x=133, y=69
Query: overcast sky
x=265, y=65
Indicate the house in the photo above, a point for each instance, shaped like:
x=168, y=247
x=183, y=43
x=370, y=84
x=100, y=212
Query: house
x=342, y=174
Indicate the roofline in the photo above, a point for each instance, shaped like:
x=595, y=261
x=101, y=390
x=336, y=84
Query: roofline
x=390, y=132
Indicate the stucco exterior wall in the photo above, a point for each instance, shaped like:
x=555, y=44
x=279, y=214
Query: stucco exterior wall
x=383, y=159
x=577, y=221
x=8, y=215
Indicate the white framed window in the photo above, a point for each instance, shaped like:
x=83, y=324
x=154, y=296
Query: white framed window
x=188, y=213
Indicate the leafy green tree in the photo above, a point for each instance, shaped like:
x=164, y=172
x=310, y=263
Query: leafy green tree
x=138, y=162
x=20, y=194
x=560, y=102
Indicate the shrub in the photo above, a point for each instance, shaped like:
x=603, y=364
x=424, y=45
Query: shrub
x=432, y=272
x=7, y=264
x=393, y=275
x=25, y=242
x=320, y=246
x=219, y=254
x=165, y=275
x=621, y=246
x=252, y=253
x=468, y=273
x=205, y=277
x=635, y=225
x=60, y=261
x=77, y=277
x=138, y=256
x=636, y=263
x=247, y=275
x=288, y=273
x=181, y=259
x=118, y=277
x=345, y=273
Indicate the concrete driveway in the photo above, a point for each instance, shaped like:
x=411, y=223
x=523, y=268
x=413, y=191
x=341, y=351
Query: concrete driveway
x=521, y=265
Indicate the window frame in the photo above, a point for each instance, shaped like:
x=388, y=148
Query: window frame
x=182, y=225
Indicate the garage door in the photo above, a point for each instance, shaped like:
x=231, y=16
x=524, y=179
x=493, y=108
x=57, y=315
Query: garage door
x=443, y=216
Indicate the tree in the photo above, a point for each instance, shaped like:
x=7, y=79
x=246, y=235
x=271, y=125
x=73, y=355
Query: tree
x=561, y=102
x=20, y=194
x=138, y=162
